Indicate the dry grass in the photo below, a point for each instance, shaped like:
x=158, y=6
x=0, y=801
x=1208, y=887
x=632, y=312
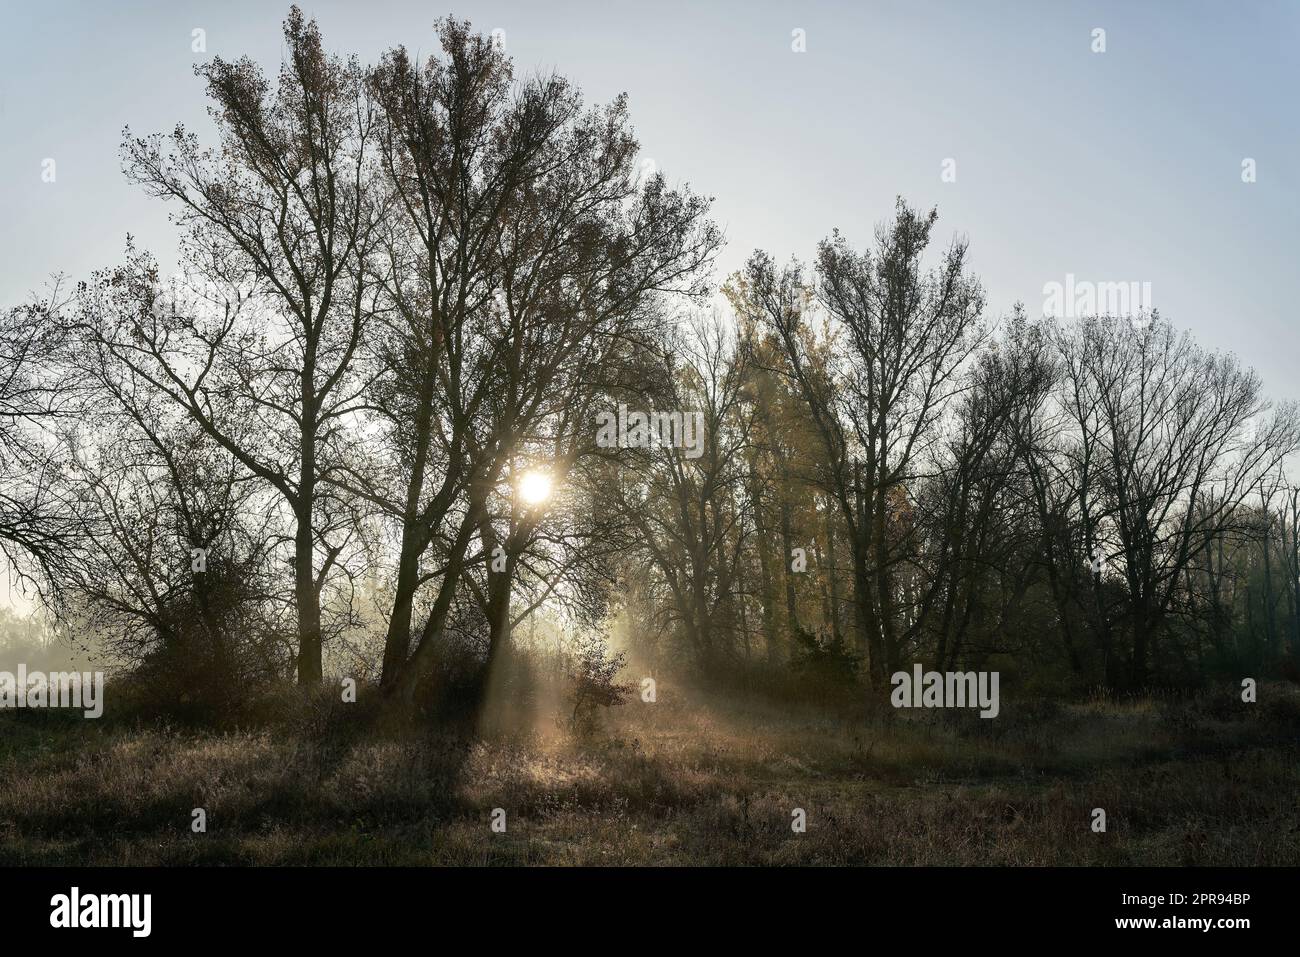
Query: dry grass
x=1197, y=782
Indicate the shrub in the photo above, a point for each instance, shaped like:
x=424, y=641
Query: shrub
x=593, y=671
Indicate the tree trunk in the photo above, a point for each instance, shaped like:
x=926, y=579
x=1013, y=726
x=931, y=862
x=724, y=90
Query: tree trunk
x=308, y=600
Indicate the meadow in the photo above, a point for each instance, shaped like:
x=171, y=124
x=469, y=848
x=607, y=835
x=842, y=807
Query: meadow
x=1184, y=780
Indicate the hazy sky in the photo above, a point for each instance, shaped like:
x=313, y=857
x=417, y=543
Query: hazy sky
x=1115, y=166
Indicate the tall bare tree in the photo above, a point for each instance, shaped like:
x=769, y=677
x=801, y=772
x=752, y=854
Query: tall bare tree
x=523, y=252
x=902, y=336
x=277, y=225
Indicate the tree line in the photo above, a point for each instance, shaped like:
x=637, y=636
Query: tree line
x=405, y=286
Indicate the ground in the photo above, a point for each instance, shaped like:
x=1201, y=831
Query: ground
x=1189, y=781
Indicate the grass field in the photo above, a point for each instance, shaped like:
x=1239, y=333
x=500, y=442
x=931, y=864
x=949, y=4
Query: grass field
x=1197, y=781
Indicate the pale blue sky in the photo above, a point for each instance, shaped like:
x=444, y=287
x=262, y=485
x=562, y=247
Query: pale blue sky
x=1114, y=167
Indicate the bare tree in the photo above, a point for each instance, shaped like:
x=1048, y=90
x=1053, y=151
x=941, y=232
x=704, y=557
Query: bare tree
x=524, y=251
x=902, y=335
x=37, y=528
x=262, y=359
x=1185, y=438
x=683, y=503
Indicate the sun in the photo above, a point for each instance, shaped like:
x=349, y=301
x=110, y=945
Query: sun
x=535, y=487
